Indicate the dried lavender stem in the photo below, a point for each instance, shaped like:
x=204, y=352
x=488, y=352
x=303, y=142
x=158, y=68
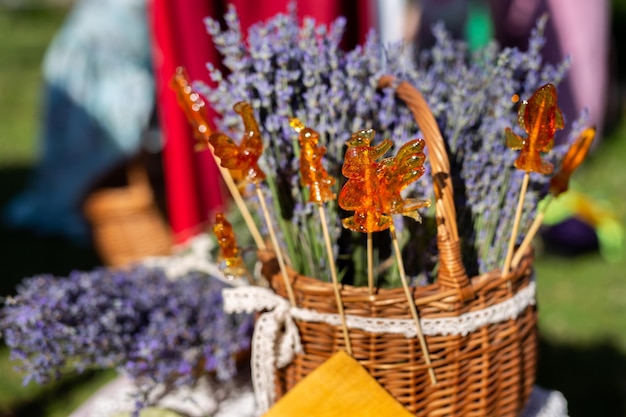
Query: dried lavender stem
x=411, y=302
x=279, y=254
x=333, y=276
x=247, y=217
x=516, y=222
x=370, y=263
x=532, y=231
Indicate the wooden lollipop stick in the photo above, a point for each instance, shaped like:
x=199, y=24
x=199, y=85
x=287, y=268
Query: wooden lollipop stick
x=279, y=254
x=333, y=275
x=412, y=307
x=532, y=231
x=241, y=205
x=516, y=221
x=370, y=263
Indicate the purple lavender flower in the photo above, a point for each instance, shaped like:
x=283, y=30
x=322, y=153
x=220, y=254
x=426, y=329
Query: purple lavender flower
x=287, y=70
x=156, y=329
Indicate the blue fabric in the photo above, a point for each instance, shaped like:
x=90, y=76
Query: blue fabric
x=97, y=102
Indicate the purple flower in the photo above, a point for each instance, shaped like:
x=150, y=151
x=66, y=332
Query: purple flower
x=156, y=329
x=286, y=69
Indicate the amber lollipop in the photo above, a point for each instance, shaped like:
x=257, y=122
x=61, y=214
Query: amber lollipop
x=540, y=117
x=195, y=110
x=245, y=157
x=559, y=184
x=360, y=192
x=314, y=176
x=395, y=174
x=373, y=192
x=231, y=261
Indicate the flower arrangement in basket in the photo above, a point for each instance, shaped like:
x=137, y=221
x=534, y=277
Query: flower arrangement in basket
x=440, y=313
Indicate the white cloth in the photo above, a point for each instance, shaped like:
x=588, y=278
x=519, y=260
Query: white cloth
x=237, y=400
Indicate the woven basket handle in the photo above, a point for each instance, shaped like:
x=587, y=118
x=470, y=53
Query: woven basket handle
x=452, y=274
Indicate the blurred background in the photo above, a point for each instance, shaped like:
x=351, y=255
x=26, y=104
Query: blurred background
x=581, y=290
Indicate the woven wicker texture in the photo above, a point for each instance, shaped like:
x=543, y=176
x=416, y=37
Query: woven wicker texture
x=127, y=225
x=488, y=372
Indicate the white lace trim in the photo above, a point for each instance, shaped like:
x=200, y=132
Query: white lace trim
x=271, y=349
x=460, y=325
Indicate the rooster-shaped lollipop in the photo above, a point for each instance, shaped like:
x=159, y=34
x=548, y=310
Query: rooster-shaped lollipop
x=244, y=156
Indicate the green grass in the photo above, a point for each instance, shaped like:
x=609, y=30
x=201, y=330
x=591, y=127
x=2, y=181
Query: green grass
x=25, y=34
x=582, y=300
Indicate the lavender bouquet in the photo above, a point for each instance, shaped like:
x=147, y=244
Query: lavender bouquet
x=155, y=329
x=286, y=70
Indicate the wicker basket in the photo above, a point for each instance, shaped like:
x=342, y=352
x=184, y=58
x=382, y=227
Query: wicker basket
x=127, y=225
x=489, y=371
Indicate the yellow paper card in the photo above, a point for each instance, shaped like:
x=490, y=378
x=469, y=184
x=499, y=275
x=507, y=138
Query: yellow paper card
x=339, y=387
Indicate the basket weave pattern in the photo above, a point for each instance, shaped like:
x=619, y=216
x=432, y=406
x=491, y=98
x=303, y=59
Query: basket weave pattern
x=488, y=372
x=127, y=225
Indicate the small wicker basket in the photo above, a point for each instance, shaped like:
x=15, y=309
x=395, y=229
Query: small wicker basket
x=127, y=225
x=489, y=371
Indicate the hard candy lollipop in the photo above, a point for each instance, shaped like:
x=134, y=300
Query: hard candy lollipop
x=245, y=155
x=373, y=191
x=540, y=117
x=193, y=106
x=312, y=173
x=229, y=251
x=396, y=173
x=575, y=155
x=360, y=192
x=559, y=183
x=195, y=110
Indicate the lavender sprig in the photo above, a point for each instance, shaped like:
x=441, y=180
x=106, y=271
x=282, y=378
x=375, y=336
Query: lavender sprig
x=157, y=330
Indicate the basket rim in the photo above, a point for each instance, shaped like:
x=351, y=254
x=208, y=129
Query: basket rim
x=422, y=295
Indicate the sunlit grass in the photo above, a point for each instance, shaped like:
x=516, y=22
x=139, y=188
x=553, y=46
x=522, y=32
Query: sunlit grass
x=24, y=35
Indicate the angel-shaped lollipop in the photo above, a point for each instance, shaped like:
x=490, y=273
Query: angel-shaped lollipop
x=373, y=192
x=360, y=192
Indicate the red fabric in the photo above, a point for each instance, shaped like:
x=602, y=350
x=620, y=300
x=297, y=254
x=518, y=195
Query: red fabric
x=192, y=184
